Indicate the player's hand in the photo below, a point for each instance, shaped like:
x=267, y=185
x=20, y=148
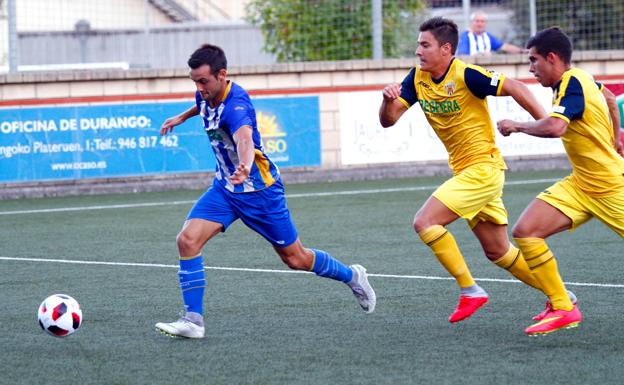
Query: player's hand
x=506, y=127
x=169, y=124
x=619, y=146
x=241, y=174
x=392, y=91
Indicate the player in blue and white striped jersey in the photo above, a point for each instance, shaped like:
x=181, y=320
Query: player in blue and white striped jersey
x=246, y=186
x=221, y=122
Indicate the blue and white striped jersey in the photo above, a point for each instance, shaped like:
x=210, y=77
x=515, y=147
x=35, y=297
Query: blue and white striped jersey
x=220, y=123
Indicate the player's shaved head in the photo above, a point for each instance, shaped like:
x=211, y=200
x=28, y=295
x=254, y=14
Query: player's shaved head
x=552, y=40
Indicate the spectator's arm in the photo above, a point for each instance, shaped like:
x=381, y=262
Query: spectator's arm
x=510, y=48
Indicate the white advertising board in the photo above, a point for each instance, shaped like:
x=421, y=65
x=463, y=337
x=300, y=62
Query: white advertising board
x=365, y=141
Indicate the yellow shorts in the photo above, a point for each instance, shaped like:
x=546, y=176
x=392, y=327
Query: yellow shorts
x=475, y=194
x=580, y=207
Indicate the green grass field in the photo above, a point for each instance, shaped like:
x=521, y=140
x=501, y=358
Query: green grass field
x=274, y=327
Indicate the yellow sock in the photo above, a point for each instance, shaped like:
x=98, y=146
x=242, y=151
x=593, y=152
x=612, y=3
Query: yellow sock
x=445, y=249
x=543, y=265
x=513, y=261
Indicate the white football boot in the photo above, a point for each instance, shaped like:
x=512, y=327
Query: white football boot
x=362, y=290
x=183, y=327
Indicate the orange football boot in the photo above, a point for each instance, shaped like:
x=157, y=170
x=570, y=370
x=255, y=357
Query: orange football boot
x=548, y=307
x=466, y=307
x=554, y=320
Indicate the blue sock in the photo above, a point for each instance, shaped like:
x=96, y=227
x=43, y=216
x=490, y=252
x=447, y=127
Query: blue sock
x=192, y=283
x=326, y=266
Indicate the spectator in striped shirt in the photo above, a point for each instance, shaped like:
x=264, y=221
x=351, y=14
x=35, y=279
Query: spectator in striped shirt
x=477, y=41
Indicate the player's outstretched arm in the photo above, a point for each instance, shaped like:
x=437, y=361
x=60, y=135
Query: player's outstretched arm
x=615, y=118
x=245, y=149
x=170, y=123
x=549, y=127
x=391, y=108
x=521, y=94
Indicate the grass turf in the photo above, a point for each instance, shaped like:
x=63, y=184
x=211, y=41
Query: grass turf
x=275, y=328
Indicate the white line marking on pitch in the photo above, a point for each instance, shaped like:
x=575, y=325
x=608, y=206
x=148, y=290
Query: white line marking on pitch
x=103, y=207
x=424, y=277
x=301, y=195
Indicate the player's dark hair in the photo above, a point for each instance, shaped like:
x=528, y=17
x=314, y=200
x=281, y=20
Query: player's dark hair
x=208, y=54
x=552, y=40
x=444, y=31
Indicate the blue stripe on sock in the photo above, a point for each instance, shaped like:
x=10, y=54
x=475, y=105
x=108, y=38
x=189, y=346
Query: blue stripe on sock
x=192, y=283
x=326, y=266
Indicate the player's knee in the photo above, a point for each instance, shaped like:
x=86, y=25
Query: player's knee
x=496, y=253
x=520, y=231
x=419, y=224
x=187, y=244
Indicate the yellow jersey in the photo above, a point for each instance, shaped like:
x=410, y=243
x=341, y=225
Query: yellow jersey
x=597, y=168
x=456, y=108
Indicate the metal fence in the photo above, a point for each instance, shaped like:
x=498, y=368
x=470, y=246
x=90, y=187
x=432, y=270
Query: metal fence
x=44, y=34
x=159, y=47
x=591, y=24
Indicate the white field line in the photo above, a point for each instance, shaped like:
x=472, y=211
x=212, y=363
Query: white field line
x=422, y=277
x=302, y=195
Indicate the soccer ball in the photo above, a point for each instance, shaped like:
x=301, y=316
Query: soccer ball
x=59, y=315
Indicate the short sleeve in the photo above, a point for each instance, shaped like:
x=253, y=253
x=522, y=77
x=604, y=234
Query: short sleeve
x=408, y=90
x=494, y=42
x=570, y=101
x=483, y=83
x=239, y=116
x=198, y=100
x=463, y=46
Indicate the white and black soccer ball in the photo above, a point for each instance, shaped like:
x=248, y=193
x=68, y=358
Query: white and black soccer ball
x=59, y=315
